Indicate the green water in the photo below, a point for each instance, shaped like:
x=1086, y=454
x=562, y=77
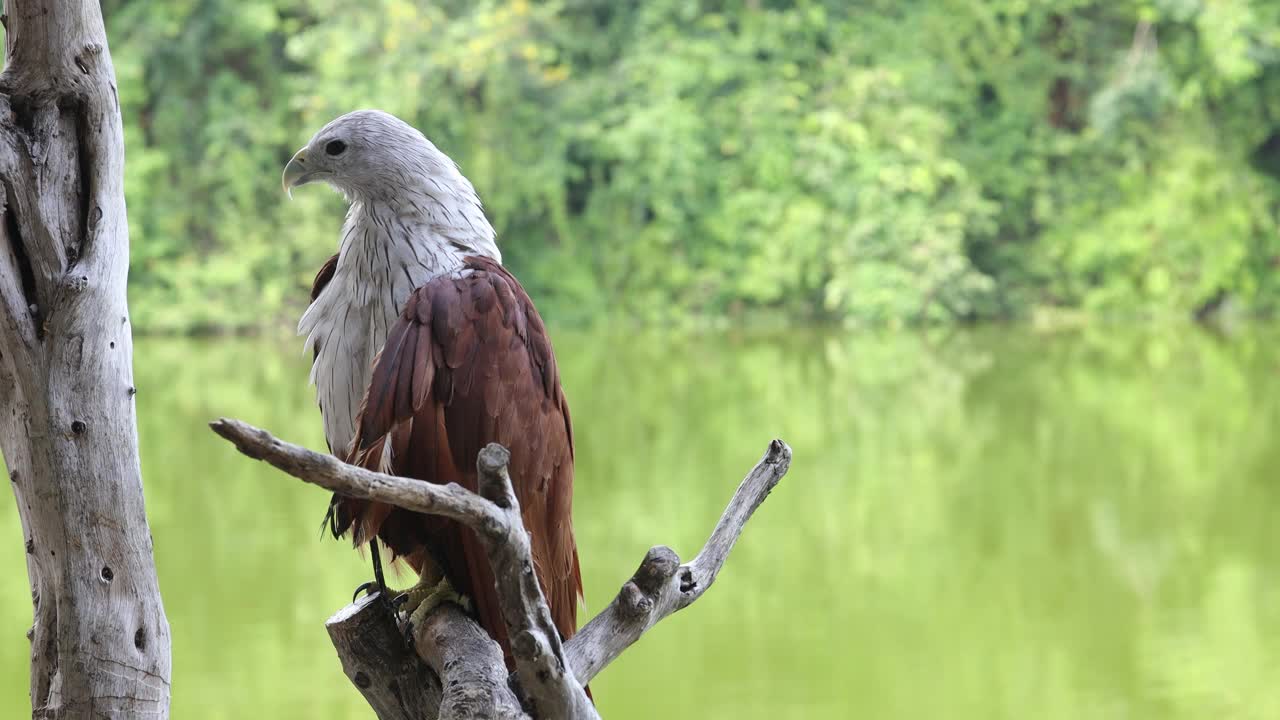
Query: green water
x=977, y=525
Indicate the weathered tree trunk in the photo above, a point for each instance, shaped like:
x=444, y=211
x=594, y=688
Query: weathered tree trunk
x=100, y=642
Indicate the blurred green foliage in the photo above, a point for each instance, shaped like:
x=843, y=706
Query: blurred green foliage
x=880, y=162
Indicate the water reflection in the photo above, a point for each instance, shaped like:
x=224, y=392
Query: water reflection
x=976, y=525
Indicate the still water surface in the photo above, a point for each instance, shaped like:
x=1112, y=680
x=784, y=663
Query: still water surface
x=984, y=524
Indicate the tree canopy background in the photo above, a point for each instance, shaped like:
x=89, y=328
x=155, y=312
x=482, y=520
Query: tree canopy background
x=676, y=161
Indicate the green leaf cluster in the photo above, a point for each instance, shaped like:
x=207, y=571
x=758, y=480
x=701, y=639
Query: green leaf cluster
x=699, y=161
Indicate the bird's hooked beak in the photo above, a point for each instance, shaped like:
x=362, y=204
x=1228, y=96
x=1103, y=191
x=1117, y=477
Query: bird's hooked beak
x=297, y=173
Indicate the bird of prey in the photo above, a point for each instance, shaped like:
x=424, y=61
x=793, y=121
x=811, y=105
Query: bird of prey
x=425, y=350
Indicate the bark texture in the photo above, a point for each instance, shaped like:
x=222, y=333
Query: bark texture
x=369, y=642
x=100, y=641
x=549, y=675
x=463, y=675
x=470, y=667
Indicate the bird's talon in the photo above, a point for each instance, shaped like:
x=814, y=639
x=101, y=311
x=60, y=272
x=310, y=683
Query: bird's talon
x=398, y=601
x=366, y=587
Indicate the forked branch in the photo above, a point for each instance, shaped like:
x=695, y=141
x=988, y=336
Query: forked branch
x=662, y=586
x=549, y=674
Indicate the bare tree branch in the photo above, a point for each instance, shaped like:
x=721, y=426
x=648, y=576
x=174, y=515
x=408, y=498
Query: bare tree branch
x=550, y=690
x=454, y=671
x=470, y=666
x=330, y=473
x=550, y=674
x=397, y=684
x=662, y=586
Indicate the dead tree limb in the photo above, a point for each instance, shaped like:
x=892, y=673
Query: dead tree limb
x=463, y=675
x=470, y=667
x=395, y=682
x=546, y=676
x=662, y=586
x=549, y=674
x=100, y=641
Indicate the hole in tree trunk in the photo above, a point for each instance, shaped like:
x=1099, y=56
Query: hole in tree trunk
x=24, y=113
x=14, y=233
x=78, y=111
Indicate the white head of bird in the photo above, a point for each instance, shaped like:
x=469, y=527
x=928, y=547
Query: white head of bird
x=386, y=167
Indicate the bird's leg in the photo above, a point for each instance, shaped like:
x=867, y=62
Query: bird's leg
x=378, y=584
x=432, y=590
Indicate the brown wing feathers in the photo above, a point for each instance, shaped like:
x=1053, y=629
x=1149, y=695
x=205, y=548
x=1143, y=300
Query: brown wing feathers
x=323, y=277
x=469, y=363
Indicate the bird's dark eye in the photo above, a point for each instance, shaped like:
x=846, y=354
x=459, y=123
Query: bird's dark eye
x=335, y=147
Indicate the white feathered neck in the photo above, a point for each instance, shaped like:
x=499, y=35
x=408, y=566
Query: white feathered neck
x=391, y=245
